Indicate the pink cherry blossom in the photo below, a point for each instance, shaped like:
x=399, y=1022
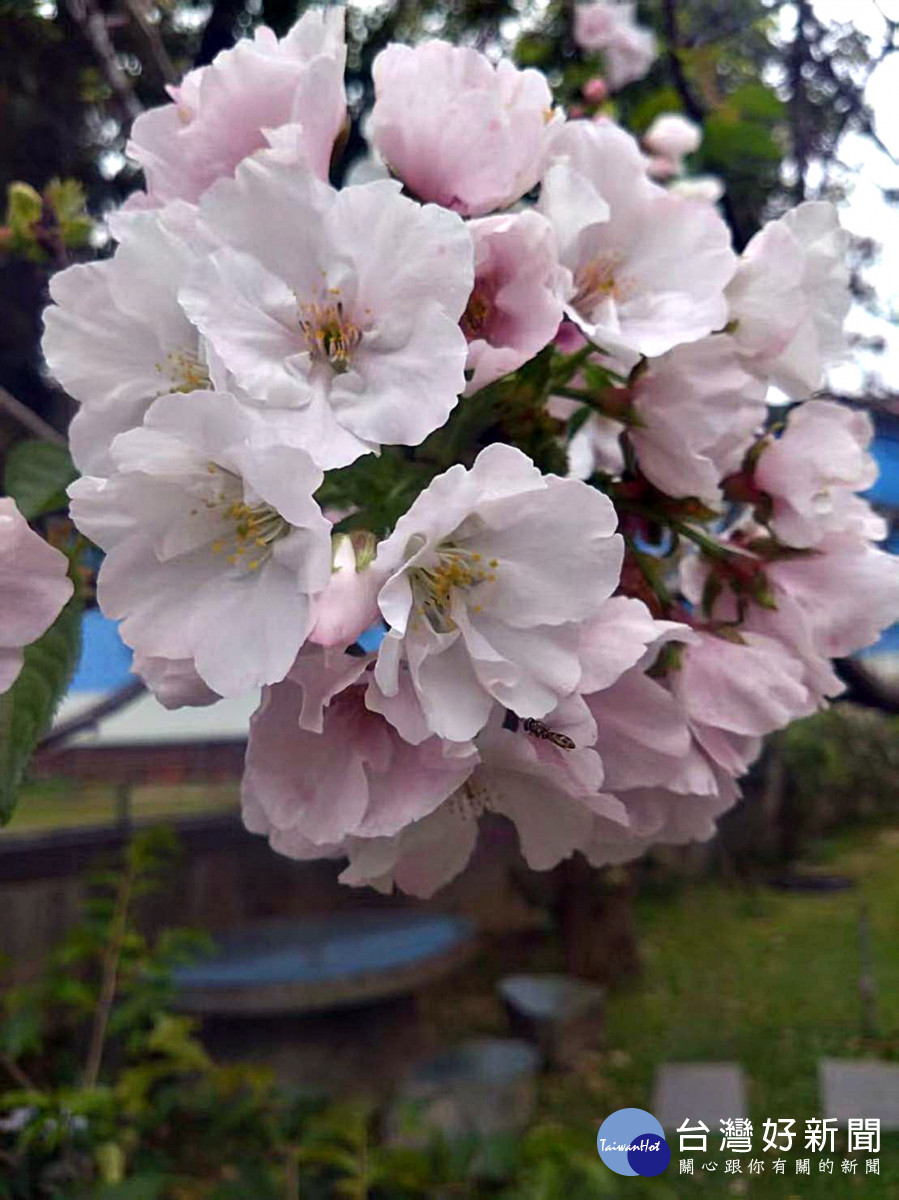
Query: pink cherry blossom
x=847, y=592
x=699, y=410
x=552, y=796
x=516, y=305
x=658, y=816
x=659, y=166
x=595, y=90
x=736, y=687
x=214, y=544
x=34, y=586
x=174, y=682
x=457, y=129
x=790, y=296
x=489, y=573
x=628, y=49
x=644, y=738
x=829, y=602
x=116, y=336
x=353, y=776
x=649, y=268
x=335, y=305
x=673, y=137
x=220, y=114
x=813, y=470
x=349, y=604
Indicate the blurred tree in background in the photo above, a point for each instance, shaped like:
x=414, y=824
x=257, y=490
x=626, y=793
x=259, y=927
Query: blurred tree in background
x=774, y=84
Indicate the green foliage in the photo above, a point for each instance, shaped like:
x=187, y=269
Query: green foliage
x=841, y=767
x=23, y=209
x=153, y=1117
x=27, y=708
x=377, y=489
x=67, y=202
x=36, y=475
x=43, y=227
x=554, y=1163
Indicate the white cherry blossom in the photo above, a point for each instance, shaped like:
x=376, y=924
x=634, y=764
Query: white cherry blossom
x=649, y=268
x=338, y=305
x=790, y=296
x=214, y=544
x=610, y=26
x=116, y=336
x=489, y=573
x=814, y=469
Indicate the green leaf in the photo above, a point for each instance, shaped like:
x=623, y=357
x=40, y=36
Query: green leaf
x=36, y=476
x=23, y=208
x=67, y=199
x=27, y=709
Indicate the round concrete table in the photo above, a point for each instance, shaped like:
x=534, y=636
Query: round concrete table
x=324, y=963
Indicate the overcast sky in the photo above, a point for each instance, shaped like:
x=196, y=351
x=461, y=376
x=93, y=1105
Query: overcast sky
x=866, y=213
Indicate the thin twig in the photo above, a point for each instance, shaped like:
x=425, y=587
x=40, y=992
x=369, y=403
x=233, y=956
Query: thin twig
x=158, y=52
x=109, y=980
x=37, y=425
x=695, y=108
x=92, y=23
x=16, y=1072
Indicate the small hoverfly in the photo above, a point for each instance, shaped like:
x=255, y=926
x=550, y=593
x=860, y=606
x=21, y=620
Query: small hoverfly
x=537, y=729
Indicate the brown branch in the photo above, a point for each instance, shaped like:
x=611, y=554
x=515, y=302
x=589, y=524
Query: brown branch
x=695, y=108
x=799, y=56
x=30, y=420
x=92, y=23
x=109, y=980
x=158, y=52
x=865, y=688
x=15, y=1071
x=119, y=699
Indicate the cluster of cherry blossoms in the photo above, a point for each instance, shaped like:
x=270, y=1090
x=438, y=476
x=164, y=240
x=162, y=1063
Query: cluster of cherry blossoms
x=591, y=640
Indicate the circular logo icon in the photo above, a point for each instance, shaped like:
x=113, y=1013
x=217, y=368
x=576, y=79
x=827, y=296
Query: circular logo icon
x=632, y=1142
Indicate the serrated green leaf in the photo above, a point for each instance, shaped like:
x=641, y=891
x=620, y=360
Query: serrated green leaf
x=27, y=709
x=36, y=476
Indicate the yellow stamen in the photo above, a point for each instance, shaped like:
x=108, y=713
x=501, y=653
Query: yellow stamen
x=434, y=586
x=186, y=371
x=330, y=333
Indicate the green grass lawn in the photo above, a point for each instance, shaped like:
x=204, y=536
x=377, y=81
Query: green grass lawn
x=764, y=978
x=48, y=805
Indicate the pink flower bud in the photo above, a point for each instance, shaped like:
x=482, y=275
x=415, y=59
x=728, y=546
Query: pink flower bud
x=348, y=605
x=595, y=90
